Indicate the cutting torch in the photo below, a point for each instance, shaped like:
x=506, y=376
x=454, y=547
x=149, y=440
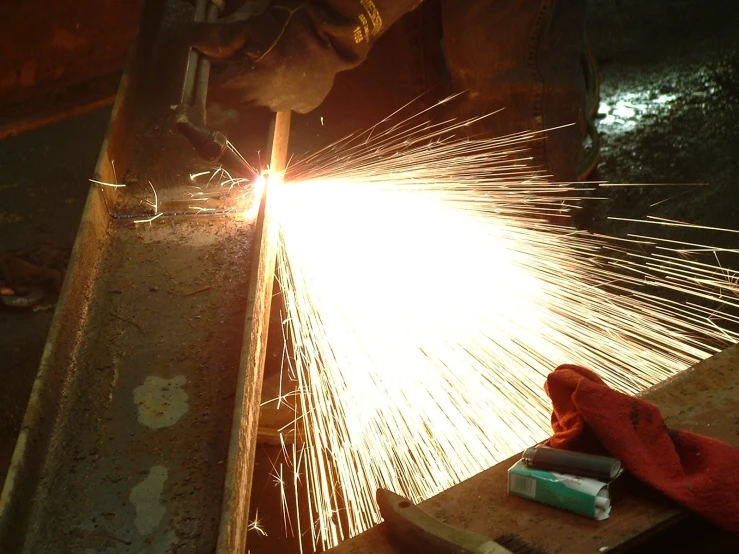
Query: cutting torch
x=190, y=117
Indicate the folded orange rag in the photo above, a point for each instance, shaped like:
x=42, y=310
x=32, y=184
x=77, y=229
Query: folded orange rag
x=699, y=472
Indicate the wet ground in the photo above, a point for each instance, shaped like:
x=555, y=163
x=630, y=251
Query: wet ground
x=669, y=107
x=669, y=112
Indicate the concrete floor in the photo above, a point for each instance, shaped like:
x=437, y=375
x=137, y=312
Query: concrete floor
x=670, y=103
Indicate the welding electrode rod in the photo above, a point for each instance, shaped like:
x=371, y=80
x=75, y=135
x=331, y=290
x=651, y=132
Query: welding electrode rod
x=602, y=468
x=192, y=58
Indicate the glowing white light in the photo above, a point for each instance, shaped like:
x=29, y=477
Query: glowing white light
x=428, y=296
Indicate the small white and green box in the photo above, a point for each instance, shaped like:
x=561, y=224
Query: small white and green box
x=582, y=495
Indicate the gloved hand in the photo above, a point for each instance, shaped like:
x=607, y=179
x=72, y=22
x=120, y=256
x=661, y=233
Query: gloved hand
x=286, y=57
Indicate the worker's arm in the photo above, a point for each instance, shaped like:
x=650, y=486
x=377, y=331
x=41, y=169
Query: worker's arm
x=287, y=56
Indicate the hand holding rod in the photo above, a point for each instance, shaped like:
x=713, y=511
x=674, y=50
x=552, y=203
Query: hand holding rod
x=211, y=145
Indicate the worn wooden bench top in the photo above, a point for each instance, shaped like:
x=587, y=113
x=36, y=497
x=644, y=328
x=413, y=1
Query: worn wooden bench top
x=703, y=399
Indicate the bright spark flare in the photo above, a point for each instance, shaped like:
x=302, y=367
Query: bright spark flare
x=256, y=525
x=428, y=297
x=104, y=184
x=154, y=205
x=253, y=209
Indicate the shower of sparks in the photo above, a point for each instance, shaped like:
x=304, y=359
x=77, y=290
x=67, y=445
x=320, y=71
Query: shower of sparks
x=256, y=525
x=279, y=481
x=154, y=205
x=220, y=184
x=258, y=190
x=429, y=294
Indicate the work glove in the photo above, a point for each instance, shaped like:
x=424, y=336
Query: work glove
x=286, y=57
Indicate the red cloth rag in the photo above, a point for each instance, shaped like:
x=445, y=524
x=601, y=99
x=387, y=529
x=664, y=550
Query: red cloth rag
x=699, y=472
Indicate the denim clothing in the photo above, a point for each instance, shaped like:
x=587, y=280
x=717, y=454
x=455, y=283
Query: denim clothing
x=523, y=56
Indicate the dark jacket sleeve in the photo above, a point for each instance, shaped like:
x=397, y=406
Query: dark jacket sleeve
x=352, y=26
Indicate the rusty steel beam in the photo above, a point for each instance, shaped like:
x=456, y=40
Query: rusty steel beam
x=141, y=428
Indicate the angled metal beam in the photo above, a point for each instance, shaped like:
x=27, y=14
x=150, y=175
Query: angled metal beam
x=141, y=429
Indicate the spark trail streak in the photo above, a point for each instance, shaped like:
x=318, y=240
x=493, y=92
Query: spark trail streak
x=428, y=296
